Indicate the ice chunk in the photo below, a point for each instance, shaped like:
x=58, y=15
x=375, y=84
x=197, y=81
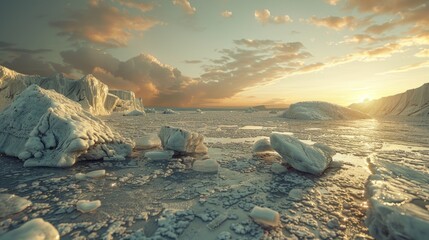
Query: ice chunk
x=182, y=141
x=35, y=229
x=321, y=111
x=96, y=174
x=265, y=216
x=87, y=206
x=159, y=155
x=135, y=113
x=262, y=145
x=169, y=111
x=80, y=176
x=74, y=134
x=278, y=168
x=148, y=142
x=311, y=159
x=150, y=110
x=10, y=204
x=207, y=166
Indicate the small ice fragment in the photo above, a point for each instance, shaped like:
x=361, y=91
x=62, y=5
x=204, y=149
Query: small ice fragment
x=159, y=155
x=262, y=145
x=34, y=229
x=148, y=142
x=96, y=174
x=207, y=166
x=87, y=206
x=10, y=204
x=296, y=194
x=265, y=216
x=80, y=176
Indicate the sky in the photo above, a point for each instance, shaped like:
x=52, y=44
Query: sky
x=213, y=53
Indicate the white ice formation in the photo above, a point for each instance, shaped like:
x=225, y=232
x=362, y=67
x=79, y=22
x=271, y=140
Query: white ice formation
x=265, y=216
x=135, y=113
x=182, y=141
x=414, y=102
x=321, y=111
x=127, y=101
x=89, y=92
x=44, y=128
x=148, y=142
x=262, y=145
x=312, y=159
x=35, y=229
x=169, y=111
x=206, y=166
x=10, y=204
x=87, y=206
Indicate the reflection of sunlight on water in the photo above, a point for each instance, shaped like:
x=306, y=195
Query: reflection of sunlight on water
x=251, y=127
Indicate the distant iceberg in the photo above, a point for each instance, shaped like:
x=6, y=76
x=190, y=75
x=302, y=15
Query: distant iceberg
x=321, y=111
x=414, y=102
x=92, y=94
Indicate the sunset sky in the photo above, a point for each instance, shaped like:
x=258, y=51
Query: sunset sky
x=224, y=52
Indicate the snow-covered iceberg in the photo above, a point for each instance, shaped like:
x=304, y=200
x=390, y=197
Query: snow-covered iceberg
x=321, y=111
x=414, y=102
x=44, y=128
x=312, y=159
x=127, y=101
x=93, y=95
x=182, y=141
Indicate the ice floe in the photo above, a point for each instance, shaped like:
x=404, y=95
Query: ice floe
x=10, y=204
x=35, y=229
x=87, y=206
x=207, y=166
x=44, y=128
x=321, y=111
x=311, y=159
x=182, y=141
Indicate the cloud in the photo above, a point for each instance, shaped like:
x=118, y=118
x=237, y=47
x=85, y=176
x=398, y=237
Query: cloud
x=264, y=16
x=142, y=6
x=249, y=63
x=226, y=14
x=27, y=64
x=337, y=23
x=332, y=2
x=186, y=5
x=423, y=53
x=102, y=24
x=193, y=61
x=407, y=68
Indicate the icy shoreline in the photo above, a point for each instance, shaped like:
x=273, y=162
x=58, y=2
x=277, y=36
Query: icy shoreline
x=170, y=199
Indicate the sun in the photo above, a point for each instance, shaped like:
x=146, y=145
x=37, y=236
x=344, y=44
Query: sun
x=365, y=98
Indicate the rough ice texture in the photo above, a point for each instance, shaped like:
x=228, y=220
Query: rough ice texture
x=87, y=206
x=44, y=128
x=127, y=101
x=265, y=216
x=135, y=113
x=262, y=145
x=148, y=142
x=321, y=111
x=89, y=92
x=10, y=204
x=414, y=102
x=305, y=158
x=182, y=141
x=394, y=211
x=35, y=229
x=207, y=166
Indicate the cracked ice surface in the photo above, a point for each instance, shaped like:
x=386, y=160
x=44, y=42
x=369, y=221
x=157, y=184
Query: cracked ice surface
x=143, y=199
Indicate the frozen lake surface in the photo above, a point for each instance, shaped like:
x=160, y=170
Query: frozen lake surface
x=380, y=171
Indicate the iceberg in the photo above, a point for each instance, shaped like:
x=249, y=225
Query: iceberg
x=44, y=128
x=127, y=101
x=303, y=157
x=182, y=141
x=34, y=229
x=321, y=111
x=414, y=102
